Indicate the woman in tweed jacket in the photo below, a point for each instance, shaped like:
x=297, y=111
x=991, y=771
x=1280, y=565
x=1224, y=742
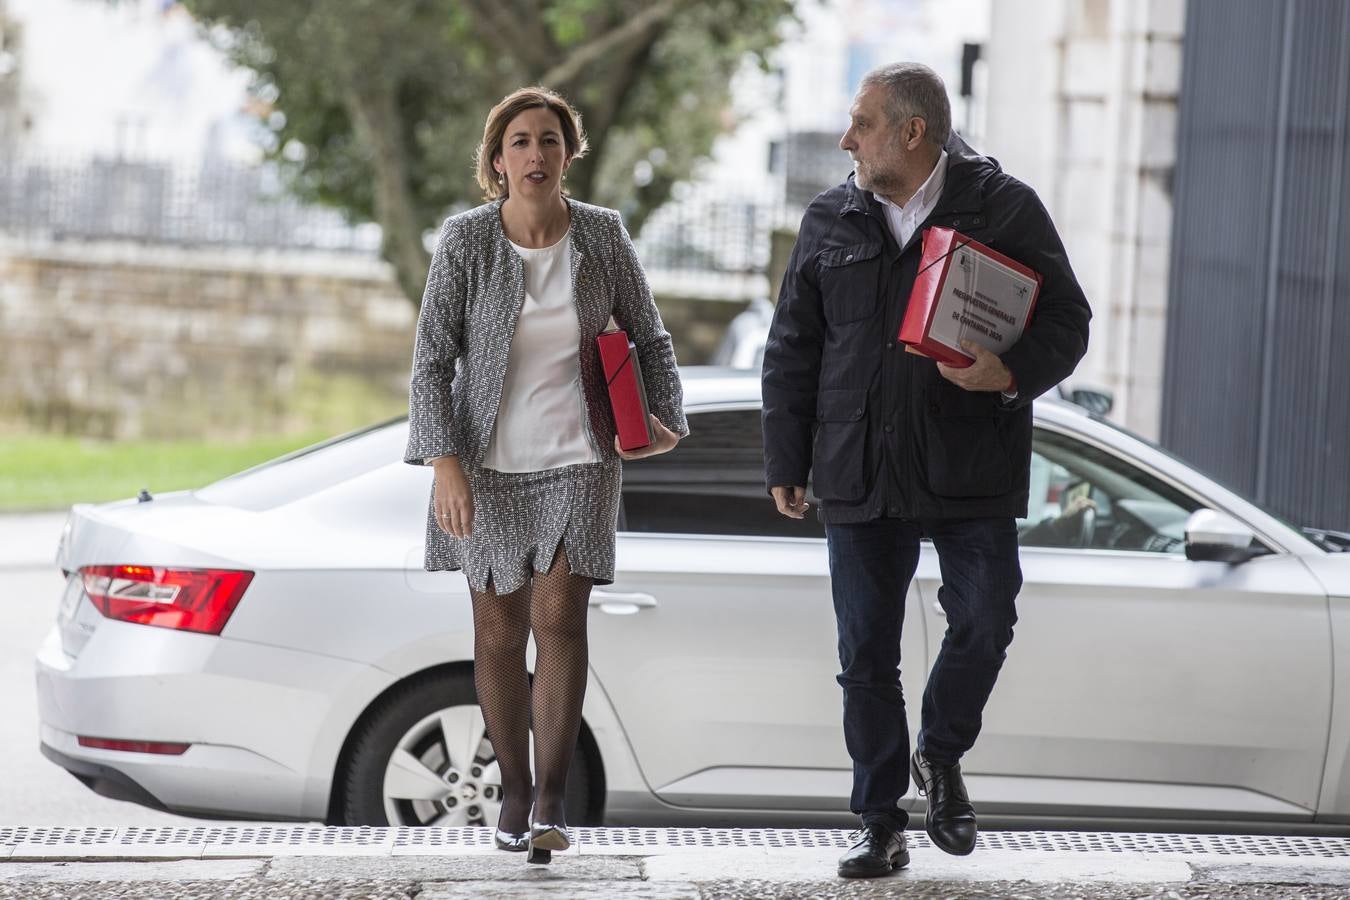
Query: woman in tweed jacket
x=508, y=401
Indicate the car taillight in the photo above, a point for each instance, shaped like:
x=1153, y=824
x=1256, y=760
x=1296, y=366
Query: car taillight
x=184, y=599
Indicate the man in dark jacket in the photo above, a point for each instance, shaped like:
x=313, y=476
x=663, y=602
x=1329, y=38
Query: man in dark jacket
x=900, y=447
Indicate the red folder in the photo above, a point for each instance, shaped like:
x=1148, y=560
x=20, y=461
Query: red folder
x=627, y=394
x=939, y=313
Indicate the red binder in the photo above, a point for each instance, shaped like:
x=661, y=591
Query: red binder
x=627, y=394
x=965, y=290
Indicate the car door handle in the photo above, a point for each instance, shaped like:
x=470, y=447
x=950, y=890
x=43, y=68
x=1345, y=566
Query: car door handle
x=622, y=604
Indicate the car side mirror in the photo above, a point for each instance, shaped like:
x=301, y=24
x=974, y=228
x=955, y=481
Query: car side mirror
x=1212, y=536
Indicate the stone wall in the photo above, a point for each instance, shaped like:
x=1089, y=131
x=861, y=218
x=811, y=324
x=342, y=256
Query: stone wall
x=1083, y=106
x=125, y=340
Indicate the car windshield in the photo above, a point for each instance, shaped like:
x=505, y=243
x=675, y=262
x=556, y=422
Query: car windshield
x=1310, y=533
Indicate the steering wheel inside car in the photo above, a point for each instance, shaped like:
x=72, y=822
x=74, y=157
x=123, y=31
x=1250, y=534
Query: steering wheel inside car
x=1087, y=526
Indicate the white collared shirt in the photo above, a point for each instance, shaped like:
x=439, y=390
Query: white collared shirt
x=904, y=219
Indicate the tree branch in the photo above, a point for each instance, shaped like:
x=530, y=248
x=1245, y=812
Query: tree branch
x=375, y=116
x=538, y=33
x=499, y=28
x=635, y=29
x=602, y=114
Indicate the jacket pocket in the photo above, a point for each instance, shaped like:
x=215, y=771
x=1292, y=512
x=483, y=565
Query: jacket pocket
x=850, y=281
x=965, y=454
x=840, y=448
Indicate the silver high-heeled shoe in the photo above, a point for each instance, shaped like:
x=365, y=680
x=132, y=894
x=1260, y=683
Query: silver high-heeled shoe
x=544, y=839
x=511, y=841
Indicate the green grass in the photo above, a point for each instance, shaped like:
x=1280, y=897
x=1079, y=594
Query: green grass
x=40, y=472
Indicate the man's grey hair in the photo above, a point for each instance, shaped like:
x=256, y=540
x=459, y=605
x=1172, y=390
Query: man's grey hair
x=913, y=89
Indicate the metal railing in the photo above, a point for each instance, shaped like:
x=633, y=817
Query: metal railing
x=214, y=204
x=703, y=242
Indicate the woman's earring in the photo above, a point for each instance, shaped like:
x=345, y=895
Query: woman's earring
x=501, y=178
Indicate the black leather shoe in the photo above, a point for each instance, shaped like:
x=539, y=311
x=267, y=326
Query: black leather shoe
x=878, y=849
x=951, y=819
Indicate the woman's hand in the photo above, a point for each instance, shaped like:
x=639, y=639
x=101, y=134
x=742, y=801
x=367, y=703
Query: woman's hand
x=454, y=498
x=664, y=440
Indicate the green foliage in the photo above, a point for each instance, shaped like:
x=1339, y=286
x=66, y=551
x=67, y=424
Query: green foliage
x=676, y=110
x=305, y=55
x=52, y=472
x=650, y=78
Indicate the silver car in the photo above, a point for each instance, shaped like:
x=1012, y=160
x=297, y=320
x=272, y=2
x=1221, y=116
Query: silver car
x=270, y=647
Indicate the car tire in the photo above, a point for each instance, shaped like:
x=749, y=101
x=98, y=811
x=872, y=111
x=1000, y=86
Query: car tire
x=391, y=720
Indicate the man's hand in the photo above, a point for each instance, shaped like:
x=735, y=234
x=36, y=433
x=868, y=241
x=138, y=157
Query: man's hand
x=987, y=373
x=791, y=501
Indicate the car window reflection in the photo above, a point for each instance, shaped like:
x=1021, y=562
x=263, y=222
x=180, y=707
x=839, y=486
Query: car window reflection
x=1085, y=498
x=711, y=483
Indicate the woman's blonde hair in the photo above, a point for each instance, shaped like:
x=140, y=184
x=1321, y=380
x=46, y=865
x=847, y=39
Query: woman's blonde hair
x=510, y=106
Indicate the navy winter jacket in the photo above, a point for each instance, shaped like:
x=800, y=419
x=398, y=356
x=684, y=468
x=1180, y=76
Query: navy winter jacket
x=877, y=429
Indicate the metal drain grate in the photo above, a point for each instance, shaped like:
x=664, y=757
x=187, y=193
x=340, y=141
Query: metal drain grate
x=61, y=836
x=268, y=840
x=1183, y=844
x=162, y=836
x=757, y=838
x=301, y=835
x=1043, y=841
x=443, y=838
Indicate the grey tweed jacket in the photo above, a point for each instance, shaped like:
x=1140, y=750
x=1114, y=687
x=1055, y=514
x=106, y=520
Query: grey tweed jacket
x=474, y=294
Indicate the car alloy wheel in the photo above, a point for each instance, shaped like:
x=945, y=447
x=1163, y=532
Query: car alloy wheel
x=443, y=771
x=421, y=756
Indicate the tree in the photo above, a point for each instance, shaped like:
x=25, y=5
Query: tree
x=379, y=104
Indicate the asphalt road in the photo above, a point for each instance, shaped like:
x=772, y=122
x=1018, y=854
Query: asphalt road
x=34, y=791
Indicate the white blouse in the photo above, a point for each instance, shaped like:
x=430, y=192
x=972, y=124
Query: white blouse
x=541, y=420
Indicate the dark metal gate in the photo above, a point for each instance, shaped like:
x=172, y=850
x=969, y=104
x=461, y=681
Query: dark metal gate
x=1257, y=373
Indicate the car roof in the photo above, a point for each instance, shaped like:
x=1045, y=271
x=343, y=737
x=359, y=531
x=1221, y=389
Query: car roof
x=714, y=385
x=722, y=385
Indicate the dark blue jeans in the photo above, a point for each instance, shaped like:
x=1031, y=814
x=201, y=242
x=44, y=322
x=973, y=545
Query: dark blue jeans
x=871, y=565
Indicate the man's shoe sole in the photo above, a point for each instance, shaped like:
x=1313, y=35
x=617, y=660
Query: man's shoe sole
x=899, y=862
x=944, y=848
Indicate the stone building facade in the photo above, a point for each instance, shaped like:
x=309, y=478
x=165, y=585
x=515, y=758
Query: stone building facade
x=1082, y=105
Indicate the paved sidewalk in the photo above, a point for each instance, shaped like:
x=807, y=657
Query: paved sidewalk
x=442, y=863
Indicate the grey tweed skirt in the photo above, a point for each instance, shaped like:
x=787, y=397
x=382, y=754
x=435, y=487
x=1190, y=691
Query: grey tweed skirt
x=521, y=518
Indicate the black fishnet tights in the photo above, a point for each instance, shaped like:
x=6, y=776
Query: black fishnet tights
x=552, y=606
